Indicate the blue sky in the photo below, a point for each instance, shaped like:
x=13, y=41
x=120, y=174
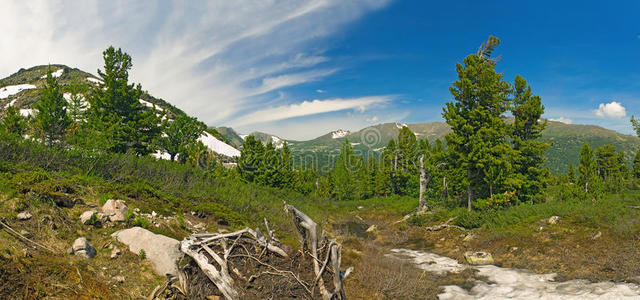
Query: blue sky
x=299, y=69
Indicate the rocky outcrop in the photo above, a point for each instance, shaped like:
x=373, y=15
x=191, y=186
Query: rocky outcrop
x=115, y=210
x=162, y=251
x=82, y=247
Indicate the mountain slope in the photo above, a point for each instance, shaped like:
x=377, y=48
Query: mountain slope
x=22, y=90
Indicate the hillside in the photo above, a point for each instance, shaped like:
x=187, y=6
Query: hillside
x=565, y=140
x=22, y=90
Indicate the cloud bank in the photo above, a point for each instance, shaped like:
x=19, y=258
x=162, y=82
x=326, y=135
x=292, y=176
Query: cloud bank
x=217, y=60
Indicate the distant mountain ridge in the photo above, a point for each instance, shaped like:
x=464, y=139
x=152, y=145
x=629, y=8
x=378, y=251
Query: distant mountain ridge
x=565, y=140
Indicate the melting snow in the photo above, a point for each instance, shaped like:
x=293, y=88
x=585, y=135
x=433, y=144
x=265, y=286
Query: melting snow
x=339, y=134
x=11, y=103
x=55, y=74
x=218, y=146
x=243, y=136
x=94, y=80
x=150, y=105
x=401, y=125
x=161, y=155
x=507, y=283
x=14, y=89
x=25, y=112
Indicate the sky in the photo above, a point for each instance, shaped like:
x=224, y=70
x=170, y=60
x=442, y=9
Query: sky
x=300, y=69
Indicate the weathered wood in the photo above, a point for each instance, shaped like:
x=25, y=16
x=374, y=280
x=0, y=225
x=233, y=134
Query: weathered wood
x=422, y=205
x=220, y=278
x=444, y=225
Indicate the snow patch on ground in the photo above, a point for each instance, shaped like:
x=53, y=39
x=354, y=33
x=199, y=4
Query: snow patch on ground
x=507, y=283
x=243, y=136
x=161, y=155
x=218, y=146
x=150, y=105
x=94, y=80
x=339, y=134
x=14, y=89
x=401, y=125
x=55, y=74
x=26, y=112
x=11, y=103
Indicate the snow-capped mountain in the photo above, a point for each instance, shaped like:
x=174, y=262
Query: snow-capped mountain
x=339, y=133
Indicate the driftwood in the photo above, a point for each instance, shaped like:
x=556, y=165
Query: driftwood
x=213, y=253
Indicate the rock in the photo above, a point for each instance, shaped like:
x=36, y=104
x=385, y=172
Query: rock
x=83, y=248
x=478, y=258
x=115, y=252
x=26, y=253
x=25, y=233
x=115, y=210
x=599, y=234
x=162, y=251
x=513, y=249
x=360, y=207
x=154, y=214
x=119, y=279
x=372, y=228
x=540, y=229
x=25, y=215
x=87, y=217
x=553, y=220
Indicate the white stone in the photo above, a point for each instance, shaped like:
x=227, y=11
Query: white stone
x=86, y=216
x=25, y=215
x=115, y=210
x=162, y=251
x=82, y=247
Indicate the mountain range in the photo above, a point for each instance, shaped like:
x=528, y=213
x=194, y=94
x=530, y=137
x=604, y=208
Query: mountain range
x=22, y=89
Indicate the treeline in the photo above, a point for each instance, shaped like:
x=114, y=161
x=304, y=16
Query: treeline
x=109, y=117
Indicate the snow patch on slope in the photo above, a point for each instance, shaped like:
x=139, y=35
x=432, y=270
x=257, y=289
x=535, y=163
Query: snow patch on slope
x=150, y=105
x=11, y=103
x=25, y=112
x=94, y=80
x=339, y=134
x=401, y=125
x=218, y=146
x=55, y=74
x=14, y=89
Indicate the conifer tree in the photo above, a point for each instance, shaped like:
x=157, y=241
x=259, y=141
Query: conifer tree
x=51, y=120
x=571, y=174
x=478, y=131
x=344, y=175
x=586, y=166
x=13, y=122
x=528, y=150
x=77, y=104
x=179, y=135
x=250, y=158
x=115, y=112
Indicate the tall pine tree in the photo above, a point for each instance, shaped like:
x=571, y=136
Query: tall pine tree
x=51, y=121
x=478, y=130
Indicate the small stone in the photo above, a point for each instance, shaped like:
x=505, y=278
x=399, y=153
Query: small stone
x=468, y=238
x=478, y=258
x=25, y=233
x=553, y=220
x=25, y=215
x=82, y=247
x=540, y=229
x=119, y=279
x=86, y=217
x=115, y=252
x=213, y=298
x=154, y=214
x=599, y=234
x=513, y=249
x=116, y=210
x=360, y=207
x=26, y=253
x=372, y=228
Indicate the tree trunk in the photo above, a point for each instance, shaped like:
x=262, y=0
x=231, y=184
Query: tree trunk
x=423, y=186
x=491, y=190
x=470, y=195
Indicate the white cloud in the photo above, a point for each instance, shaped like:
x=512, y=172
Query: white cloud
x=562, y=120
x=213, y=59
x=611, y=110
x=307, y=108
x=372, y=119
x=320, y=91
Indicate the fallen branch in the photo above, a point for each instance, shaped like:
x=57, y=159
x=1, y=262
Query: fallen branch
x=4, y=225
x=444, y=226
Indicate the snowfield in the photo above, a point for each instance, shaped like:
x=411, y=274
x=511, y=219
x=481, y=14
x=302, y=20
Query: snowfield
x=14, y=89
x=218, y=146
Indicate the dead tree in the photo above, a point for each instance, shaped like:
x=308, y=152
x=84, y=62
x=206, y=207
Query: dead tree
x=212, y=253
x=308, y=233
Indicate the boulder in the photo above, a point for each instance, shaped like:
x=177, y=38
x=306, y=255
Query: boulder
x=25, y=215
x=478, y=258
x=87, y=217
x=82, y=247
x=115, y=210
x=162, y=251
x=553, y=220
